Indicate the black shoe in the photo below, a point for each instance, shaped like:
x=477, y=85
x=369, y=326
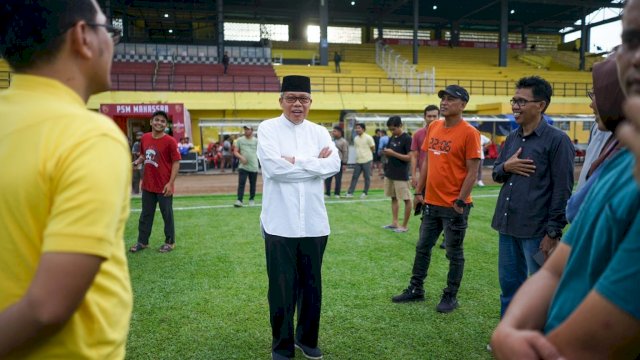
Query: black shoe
x=276, y=356
x=448, y=303
x=409, y=294
x=309, y=352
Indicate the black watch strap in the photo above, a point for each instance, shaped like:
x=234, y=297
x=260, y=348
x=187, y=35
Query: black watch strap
x=460, y=203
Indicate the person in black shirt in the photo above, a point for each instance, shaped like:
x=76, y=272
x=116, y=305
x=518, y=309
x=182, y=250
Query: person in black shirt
x=396, y=173
x=535, y=167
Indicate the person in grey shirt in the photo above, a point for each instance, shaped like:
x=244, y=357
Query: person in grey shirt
x=343, y=151
x=536, y=170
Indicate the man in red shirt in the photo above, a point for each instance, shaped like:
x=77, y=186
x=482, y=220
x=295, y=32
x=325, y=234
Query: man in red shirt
x=161, y=157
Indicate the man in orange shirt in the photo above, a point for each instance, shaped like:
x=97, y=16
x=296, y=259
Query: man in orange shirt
x=448, y=175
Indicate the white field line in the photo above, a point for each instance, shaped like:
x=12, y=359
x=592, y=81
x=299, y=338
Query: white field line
x=341, y=201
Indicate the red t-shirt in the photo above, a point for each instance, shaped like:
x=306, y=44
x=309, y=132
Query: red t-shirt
x=448, y=152
x=159, y=156
x=416, y=144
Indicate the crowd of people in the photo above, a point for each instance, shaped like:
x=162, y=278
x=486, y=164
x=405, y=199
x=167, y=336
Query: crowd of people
x=65, y=290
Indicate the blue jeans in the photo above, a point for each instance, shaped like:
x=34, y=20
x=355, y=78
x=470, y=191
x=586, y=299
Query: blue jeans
x=435, y=220
x=515, y=264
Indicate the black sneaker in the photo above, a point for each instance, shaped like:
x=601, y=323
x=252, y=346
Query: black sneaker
x=309, y=352
x=448, y=303
x=409, y=294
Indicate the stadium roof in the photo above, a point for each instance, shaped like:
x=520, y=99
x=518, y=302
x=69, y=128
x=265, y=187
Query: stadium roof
x=539, y=16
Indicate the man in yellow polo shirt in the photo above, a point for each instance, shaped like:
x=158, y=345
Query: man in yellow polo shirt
x=65, y=291
x=364, y=146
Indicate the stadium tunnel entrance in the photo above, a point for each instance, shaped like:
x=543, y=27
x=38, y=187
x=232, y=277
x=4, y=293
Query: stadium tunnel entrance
x=131, y=118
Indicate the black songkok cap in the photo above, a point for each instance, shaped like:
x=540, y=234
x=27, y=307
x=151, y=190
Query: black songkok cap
x=296, y=83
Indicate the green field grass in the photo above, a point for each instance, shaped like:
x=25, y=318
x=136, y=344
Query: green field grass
x=207, y=299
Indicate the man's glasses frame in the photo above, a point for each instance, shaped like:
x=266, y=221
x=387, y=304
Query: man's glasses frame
x=114, y=32
x=290, y=99
x=522, y=102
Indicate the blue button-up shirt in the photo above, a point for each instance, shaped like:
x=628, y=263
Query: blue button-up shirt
x=532, y=206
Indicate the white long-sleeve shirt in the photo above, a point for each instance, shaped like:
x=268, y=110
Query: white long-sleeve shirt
x=293, y=194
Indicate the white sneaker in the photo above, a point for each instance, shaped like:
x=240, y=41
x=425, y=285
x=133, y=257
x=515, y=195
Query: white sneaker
x=348, y=195
x=480, y=183
x=252, y=203
x=238, y=203
x=363, y=196
x=337, y=196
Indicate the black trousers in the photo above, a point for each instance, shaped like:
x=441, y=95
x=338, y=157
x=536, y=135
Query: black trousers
x=242, y=180
x=327, y=183
x=135, y=181
x=294, y=269
x=149, y=201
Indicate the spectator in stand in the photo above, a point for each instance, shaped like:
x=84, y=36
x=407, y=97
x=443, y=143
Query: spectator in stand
x=364, y=146
x=65, y=291
x=337, y=59
x=225, y=61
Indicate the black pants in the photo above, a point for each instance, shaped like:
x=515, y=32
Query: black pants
x=242, y=180
x=294, y=269
x=149, y=201
x=135, y=181
x=436, y=219
x=327, y=183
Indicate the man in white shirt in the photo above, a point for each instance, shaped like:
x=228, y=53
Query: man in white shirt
x=296, y=156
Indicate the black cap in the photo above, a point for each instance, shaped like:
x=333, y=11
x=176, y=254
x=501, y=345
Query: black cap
x=296, y=83
x=455, y=91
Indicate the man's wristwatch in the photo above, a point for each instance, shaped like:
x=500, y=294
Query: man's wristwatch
x=554, y=234
x=460, y=203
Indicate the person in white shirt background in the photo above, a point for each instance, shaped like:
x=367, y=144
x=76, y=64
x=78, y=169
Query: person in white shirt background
x=296, y=156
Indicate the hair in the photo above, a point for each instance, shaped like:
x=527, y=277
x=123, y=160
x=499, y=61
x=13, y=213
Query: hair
x=431, y=108
x=362, y=125
x=540, y=88
x=394, y=121
x=339, y=129
x=160, y=112
x=32, y=31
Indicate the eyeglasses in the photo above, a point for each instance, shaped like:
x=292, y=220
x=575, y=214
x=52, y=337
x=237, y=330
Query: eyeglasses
x=522, y=102
x=591, y=94
x=290, y=99
x=115, y=33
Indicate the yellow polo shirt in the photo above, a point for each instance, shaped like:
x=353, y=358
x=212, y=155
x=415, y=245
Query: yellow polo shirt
x=363, y=144
x=65, y=188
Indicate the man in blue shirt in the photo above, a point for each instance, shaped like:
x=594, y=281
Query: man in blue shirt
x=536, y=170
x=585, y=298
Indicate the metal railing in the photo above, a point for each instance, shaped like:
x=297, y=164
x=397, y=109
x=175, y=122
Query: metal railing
x=404, y=74
x=144, y=82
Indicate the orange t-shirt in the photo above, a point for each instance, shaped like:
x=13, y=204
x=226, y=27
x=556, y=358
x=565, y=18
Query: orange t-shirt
x=448, y=149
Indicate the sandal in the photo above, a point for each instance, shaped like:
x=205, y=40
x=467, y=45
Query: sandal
x=165, y=248
x=390, y=227
x=138, y=247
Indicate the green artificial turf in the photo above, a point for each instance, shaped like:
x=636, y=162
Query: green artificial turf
x=208, y=298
